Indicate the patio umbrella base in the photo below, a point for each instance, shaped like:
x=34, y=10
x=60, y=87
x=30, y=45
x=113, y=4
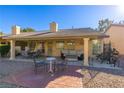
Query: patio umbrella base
x=51, y=73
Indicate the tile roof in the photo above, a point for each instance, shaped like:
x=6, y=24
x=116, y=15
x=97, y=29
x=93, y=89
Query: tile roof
x=77, y=32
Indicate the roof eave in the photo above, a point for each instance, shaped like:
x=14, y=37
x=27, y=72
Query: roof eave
x=63, y=37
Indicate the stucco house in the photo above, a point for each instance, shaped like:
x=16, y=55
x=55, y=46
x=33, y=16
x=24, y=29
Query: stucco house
x=3, y=41
x=74, y=41
x=116, y=32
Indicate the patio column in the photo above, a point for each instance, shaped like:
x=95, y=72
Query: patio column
x=54, y=50
x=46, y=48
x=86, y=51
x=12, y=50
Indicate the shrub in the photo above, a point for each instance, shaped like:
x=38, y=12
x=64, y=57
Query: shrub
x=4, y=49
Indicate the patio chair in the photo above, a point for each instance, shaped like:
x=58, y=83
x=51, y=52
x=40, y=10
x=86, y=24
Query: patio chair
x=38, y=52
x=61, y=65
x=38, y=64
x=62, y=56
x=25, y=54
x=80, y=57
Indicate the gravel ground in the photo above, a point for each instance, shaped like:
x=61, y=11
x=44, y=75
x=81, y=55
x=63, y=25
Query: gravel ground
x=102, y=78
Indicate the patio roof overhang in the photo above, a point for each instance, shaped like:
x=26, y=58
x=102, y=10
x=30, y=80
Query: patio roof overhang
x=98, y=36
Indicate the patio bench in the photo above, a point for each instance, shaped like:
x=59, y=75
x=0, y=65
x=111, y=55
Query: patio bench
x=73, y=55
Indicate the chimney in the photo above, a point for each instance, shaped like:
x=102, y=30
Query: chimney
x=16, y=30
x=53, y=27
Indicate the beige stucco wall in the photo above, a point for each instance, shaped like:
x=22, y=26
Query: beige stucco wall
x=79, y=45
x=116, y=34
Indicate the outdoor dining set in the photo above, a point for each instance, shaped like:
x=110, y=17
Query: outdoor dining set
x=50, y=64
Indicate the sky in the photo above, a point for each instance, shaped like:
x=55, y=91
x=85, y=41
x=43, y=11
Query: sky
x=39, y=17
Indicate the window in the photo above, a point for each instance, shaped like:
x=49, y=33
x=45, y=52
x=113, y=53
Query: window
x=96, y=47
x=71, y=45
x=32, y=45
x=60, y=44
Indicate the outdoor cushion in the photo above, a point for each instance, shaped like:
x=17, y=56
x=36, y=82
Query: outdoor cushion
x=38, y=61
x=65, y=52
x=72, y=52
x=72, y=59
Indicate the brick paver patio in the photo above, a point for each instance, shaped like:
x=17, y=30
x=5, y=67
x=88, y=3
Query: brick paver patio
x=70, y=78
x=21, y=74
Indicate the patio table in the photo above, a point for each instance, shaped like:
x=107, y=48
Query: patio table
x=50, y=60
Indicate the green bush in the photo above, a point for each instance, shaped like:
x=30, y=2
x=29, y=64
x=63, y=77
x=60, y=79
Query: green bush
x=4, y=49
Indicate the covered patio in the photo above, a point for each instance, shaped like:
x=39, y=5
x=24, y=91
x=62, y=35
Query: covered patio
x=54, y=46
